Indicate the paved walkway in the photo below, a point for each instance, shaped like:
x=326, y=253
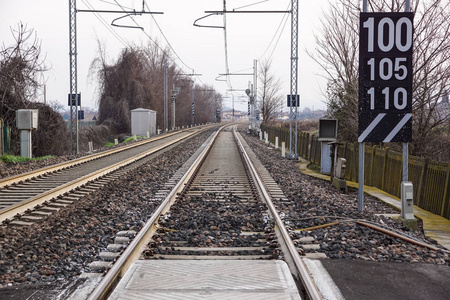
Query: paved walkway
x=434, y=226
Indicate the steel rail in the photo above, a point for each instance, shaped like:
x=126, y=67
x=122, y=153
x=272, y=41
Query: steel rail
x=137, y=245
x=9, y=212
x=295, y=262
x=25, y=176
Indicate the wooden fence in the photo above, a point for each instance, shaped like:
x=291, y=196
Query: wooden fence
x=383, y=169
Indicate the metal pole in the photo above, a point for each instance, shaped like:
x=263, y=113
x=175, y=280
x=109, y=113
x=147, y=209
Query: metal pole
x=232, y=103
x=192, y=103
x=166, y=96
x=361, y=177
x=255, y=84
x=173, y=111
x=405, y=145
x=252, y=103
x=361, y=158
x=294, y=69
x=73, y=95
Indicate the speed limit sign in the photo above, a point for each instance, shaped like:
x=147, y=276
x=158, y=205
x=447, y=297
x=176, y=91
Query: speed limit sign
x=385, y=77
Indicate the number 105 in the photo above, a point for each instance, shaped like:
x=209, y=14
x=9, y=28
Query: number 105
x=387, y=68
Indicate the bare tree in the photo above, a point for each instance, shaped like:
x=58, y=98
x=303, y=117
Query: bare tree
x=21, y=78
x=21, y=66
x=269, y=92
x=337, y=54
x=136, y=80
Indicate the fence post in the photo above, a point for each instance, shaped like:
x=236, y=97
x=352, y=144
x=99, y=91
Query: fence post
x=313, y=151
x=307, y=150
x=446, y=189
x=422, y=182
x=372, y=164
x=91, y=147
x=383, y=179
x=356, y=164
x=1, y=137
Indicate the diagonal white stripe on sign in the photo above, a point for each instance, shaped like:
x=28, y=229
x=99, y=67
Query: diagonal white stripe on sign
x=397, y=128
x=369, y=128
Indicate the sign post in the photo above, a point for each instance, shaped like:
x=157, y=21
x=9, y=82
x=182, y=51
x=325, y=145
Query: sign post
x=385, y=78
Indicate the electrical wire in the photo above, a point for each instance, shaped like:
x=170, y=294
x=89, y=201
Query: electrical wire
x=152, y=40
x=167, y=41
x=109, y=2
x=284, y=19
x=106, y=24
x=251, y=4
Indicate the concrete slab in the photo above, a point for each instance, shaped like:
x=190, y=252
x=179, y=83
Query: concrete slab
x=358, y=279
x=217, y=279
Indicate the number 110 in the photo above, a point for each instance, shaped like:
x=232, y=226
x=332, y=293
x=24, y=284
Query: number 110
x=400, y=95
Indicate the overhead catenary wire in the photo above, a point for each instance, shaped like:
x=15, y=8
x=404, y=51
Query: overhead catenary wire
x=109, y=2
x=106, y=24
x=282, y=25
x=152, y=40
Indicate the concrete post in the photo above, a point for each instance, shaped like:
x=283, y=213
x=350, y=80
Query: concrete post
x=148, y=134
x=116, y=141
x=91, y=147
x=266, y=136
x=276, y=142
x=283, y=149
x=260, y=135
x=135, y=138
x=25, y=143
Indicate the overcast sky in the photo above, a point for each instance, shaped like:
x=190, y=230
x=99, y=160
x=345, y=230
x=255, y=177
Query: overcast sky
x=249, y=37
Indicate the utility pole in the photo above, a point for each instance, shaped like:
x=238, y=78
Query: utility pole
x=74, y=97
x=255, y=90
x=192, y=103
x=232, y=104
x=166, y=96
x=175, y=92
x=294, y=68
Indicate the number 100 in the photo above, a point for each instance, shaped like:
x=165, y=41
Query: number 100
x=395, y=37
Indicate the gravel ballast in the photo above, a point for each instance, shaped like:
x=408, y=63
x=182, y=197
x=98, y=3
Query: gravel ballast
x=315, y=202
x=60, y=247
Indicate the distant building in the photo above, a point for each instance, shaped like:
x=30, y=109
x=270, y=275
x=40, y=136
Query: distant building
x=228, y=115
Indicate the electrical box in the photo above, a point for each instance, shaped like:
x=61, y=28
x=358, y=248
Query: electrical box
x=407, y=194
x=27, y=119
x=143, y=121
x=340, y=167
x=328, y=130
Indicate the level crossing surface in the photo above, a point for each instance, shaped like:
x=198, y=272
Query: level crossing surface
x=207, y=279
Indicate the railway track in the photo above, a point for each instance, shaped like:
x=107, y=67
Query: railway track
x=31, y=196
x=106, y=224
x=220, y=209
